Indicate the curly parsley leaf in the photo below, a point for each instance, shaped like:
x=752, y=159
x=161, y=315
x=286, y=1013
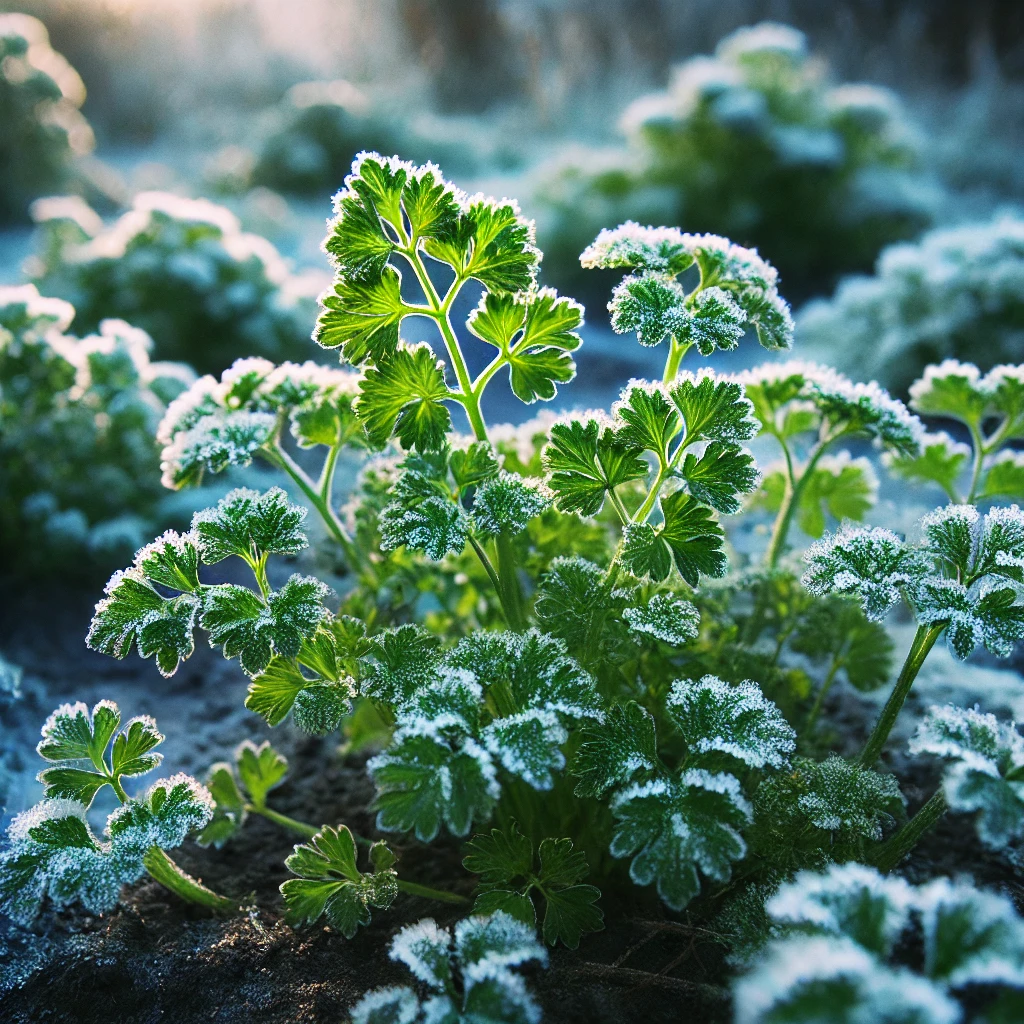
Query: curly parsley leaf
x=612, y=754
x=250, y=524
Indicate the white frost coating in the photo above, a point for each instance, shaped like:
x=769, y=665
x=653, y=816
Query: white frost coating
x=217, y=439
x=45, y=810
x=766, y=36
x=514, y=993
x=37, y=306
x=530, y=753
x=397, y=1004
x=202, y=398
x=498, y=939
x=179, y=542
x=422, y=947
x=720, y=782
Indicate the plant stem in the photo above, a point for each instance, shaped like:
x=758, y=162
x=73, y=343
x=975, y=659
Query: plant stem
x=791, y=502
x=298, y=827
x=819, y=701
x=325, y=485
x=978, y=442
x=169, y=875
x=675, y=357
x=896, y=847
x=924, y=640
x=508, y=579
x=415, y=889
x=278, y=456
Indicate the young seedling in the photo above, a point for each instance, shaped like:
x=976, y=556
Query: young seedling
x=53, y=852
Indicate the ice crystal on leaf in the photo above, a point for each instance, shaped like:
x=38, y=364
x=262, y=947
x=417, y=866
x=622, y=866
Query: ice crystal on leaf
x=250, y=524
x=983, y=615
x=942, y=461
x=840, y=929
x=612, y=755
x=506, y=503
x=468, y=978
x=872, y=563
x=735, y=719
x=213, y=444
x=331, y=885
x=665, y=618
x=985, y=774
x=504, y=859
x=673, y=828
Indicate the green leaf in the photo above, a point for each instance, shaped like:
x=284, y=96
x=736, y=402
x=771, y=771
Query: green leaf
x=73, y=733
x=719, y=475
x=570, y=914
x=499, y=857
x=403, y=659
x=331, y=884
x=731, y=718
x=665, y=618
x=611, y=754
x=272, y=693
x=503, y=256
x=1004, y=477
x=950, y=389
x=650, y=304
x=362, y=318
x=713, y=409
x=229, y=811
x=473, y=465
x=689, y=535
x=584, y=461
x=433, y=525
x=172, y=560
x=515, y=904
x=424, y=781
x=250, y=524
x=357, y=243
x=402, y=397
x=648, y=420
x=130, y=754
x=506, y=503
x=673, y=827
x=260, y=769
x=942, y=461
x=132, y=611
x=320, y=707
x=560, y=863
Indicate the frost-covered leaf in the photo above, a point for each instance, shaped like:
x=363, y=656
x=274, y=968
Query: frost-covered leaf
x=250, y=524
x=986, y=773
x=872, y=563
x=611, y=754
x=952, y=389
x=848, y=900
x=1001, y=550
x=53, y=854
x=735, y=719
x=331, y=885
x=713, y=408
x=645, y=418
x=942, y=461
x=396, y=1004
x=425, y=779
x=584, y=461
x=216, y=442
x=981, y=615
x=970, y=936
x=500, y=251
x=719, y=475
x=320, y=707
x=689, y=536
x=673, y=828
x=506, y=503
x=402, y=660
x=665, y=618
x=631, y=246
x=172, y=560
x=164, y=816
x=243, y=626
x=402, y=397
x=650, y=304
x=433, y=525
x=818, y=978
x=535, y=332
x=362, y=317
x=133, y=612
x=426, y=950
x=713, y=320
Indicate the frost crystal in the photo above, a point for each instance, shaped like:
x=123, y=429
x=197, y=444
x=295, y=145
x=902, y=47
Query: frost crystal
x=665, y=618
x=872, y=563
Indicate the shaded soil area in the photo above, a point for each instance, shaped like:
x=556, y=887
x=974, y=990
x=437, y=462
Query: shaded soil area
x=156, y=959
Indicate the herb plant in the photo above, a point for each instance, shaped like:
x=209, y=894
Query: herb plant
x=79, y=475
x=44, y=130
x=181, y=269
x=949, y=295
x=598, y=692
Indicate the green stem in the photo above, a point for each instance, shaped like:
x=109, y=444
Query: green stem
x=924, y=640
x=896, y=847
x=279, y=457
x=300, y=828
x=819, y=701
x=620, y=509
x=979, y=457
x=325, y=485
x=675, y=357
x=508, y=578
x=507, y=609
x=169, y=875
x=428, y=893
x=791, y=501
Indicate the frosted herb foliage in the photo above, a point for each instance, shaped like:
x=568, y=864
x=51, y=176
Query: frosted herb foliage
x=51, y=851
x=991, y=407
x=466, y=976
x=954, y=294
x=984, y=775
x=808, y=410
x=756, y=142
x=44, y=130
x=183, y=270
x=837, y=931
x=79, y=478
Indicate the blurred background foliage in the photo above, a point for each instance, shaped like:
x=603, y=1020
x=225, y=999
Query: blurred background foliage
x=170, y=165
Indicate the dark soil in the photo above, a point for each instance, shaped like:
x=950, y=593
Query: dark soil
x=157, y=959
